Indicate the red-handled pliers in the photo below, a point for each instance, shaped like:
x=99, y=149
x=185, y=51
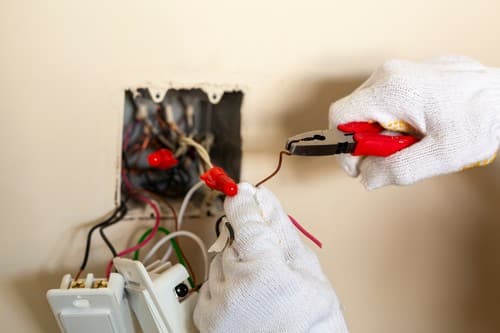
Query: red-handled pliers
x=356, y=138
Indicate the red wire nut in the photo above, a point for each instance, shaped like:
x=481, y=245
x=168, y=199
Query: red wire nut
x=162, y=159
x=217, y=179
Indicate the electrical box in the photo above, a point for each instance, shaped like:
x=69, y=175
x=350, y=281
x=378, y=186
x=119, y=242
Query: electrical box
x=155, y=119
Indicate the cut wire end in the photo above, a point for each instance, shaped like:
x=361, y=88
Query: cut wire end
x=305, y=232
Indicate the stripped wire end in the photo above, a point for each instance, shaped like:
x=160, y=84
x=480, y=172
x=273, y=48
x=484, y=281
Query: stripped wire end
x=217, y=179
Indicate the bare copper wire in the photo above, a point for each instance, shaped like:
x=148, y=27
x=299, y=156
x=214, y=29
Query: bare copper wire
x=280, y=161
x=78, y=275
x=145, y=143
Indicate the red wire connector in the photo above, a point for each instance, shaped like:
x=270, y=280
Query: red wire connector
x=217, y=179
x=162, y=159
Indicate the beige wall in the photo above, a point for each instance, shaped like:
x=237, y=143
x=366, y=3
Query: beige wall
x=416, y=259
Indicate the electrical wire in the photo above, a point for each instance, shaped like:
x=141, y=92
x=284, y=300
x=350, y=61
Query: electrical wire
x=229, y=228
x=180, y=256
x=305, y=232
x=148, y=137
x=145, y=241
x=294, y=222
x=280, y=161
x=194, y=237
x=165, y=202
x=119, y=217
x=202, y=152
x=155, y=180
x=156, y=211
x=182, y=212
x=185, y=202
x=89, y=240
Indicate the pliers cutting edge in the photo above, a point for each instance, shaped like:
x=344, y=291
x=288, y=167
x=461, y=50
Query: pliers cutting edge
x=356, y=138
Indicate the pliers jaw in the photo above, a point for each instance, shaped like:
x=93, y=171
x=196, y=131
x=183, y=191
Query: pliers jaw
x=321, y=143
x=356, y=138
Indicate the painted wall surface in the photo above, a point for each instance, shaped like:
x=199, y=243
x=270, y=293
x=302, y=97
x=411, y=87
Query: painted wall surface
x=423, y=258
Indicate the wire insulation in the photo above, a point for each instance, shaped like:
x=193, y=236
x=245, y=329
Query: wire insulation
x=305, y=232
x=202, y=152
x=180, y=256
x=89, y=240
x=194, y=237
x=118, y=218
x=182, y=212
x=156, y=211
x=280, y=161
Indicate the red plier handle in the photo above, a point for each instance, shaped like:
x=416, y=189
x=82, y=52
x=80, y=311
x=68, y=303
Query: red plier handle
x=370, y=141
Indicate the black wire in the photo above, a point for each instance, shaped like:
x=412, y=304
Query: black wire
x=113, y=218
x=89, y=236
x=119, y=217
x=217, y=225
x=227, y=225
x=231, y=232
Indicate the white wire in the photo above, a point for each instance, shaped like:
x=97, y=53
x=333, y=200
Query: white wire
x=200, y=149
x=178, y=233
x=180, y=218
x=182, y=212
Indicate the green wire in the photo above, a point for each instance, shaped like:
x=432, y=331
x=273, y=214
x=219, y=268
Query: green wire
x=174, y=245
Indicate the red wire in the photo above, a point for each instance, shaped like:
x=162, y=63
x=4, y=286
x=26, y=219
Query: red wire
x=145, y=241
x=305, y=232
x=150, y=236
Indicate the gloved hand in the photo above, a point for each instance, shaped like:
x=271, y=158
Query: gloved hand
x=267, y=280
x=453, y=102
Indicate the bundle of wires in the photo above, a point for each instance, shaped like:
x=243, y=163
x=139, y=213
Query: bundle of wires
x=116, y=216
x=148, y=187
x=151, y=126
x=156, y=211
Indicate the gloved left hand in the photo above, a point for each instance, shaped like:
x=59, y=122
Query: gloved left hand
x=267, y=280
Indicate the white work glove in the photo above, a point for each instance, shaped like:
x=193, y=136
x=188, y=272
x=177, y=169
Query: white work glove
x=267, y=280
x=453, y=102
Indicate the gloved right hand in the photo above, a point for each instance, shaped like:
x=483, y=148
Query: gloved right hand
x=453, y=102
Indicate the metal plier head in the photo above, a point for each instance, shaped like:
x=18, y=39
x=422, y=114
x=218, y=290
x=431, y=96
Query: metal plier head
x=320, y=143
x=356, y=138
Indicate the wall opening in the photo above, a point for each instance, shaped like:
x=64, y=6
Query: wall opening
x=156, y=120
